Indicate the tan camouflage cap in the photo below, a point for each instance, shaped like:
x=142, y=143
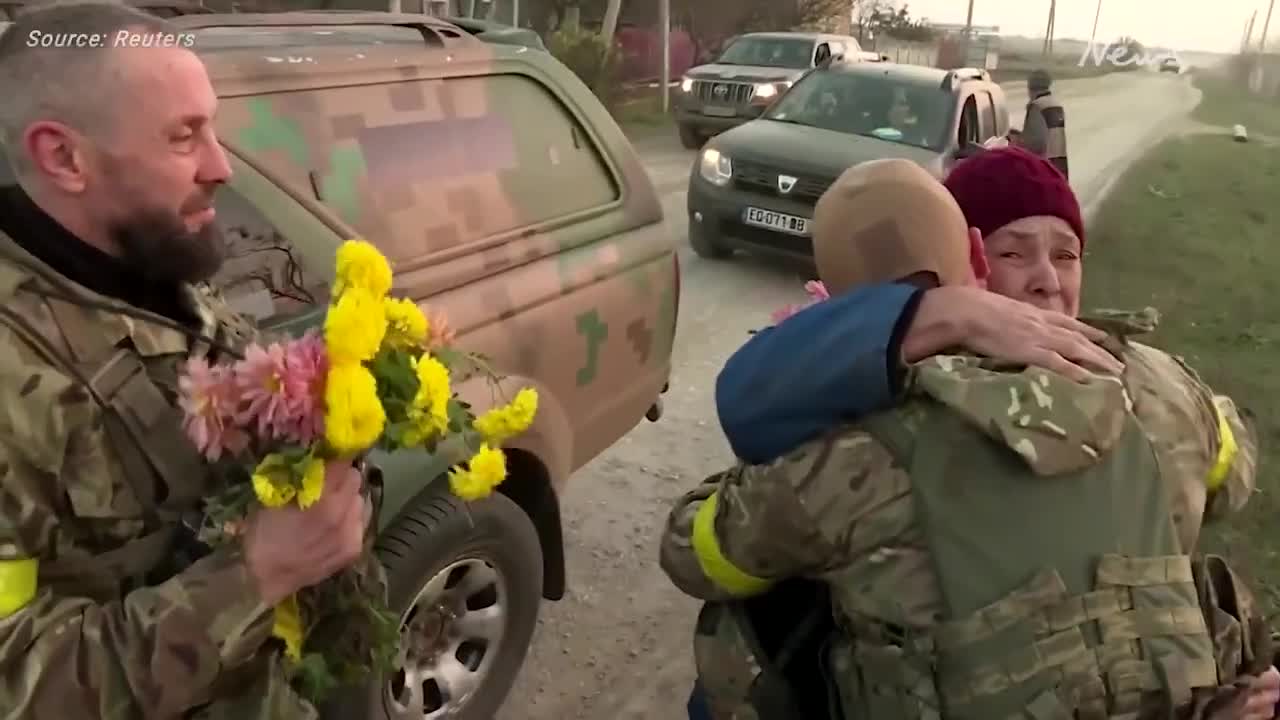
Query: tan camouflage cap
x=884, y=220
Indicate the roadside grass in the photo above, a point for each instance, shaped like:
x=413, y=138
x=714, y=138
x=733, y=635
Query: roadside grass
x=1225, y=103
x=1191, y=229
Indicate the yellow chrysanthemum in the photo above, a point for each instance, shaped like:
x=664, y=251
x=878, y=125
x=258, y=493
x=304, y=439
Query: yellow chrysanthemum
x=287, y=626
x=360, y=265
x=354, y=327
x=312, y=483
x=354, y=416
x=272, y=482
x=503, y=423
x=486, y=470
x=406, y=325
x=429, y=411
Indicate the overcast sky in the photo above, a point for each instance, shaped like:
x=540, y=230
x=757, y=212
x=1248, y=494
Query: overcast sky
x=1216, y=26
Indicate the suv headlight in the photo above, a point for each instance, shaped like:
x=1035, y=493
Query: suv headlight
x=686, y=85
x=768, y=91
x=715, y=167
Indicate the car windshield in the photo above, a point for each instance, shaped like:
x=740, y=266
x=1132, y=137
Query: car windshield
x=794, y=53
x=878, y=106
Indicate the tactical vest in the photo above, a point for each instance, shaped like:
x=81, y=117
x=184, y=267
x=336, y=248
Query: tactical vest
x=144, y=425
x=1055, y=120
x=1063, y=596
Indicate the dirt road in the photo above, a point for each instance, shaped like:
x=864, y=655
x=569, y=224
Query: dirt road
x=618, y=646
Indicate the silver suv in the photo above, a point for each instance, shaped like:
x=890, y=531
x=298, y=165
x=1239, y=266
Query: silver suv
x=751, y=72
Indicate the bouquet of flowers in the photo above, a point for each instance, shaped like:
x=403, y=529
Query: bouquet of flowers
x=817, y=293
x=380, y=376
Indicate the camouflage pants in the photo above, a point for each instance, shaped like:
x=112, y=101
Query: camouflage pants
x=267, y=696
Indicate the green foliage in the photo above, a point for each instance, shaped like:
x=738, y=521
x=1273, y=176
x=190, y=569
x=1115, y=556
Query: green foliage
x=595, y=63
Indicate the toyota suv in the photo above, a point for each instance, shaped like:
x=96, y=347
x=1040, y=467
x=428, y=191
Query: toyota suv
x=755, y=187
x=751, y=72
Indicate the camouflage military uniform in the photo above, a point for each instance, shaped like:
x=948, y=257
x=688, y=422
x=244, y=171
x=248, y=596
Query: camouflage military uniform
x=99, y=619
x=939, y=528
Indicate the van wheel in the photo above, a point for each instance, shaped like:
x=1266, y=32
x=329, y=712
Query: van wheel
x=466, y=581
x=691, y=138
x=704, y=243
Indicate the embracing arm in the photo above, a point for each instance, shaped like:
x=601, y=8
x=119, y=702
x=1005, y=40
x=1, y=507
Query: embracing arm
x=157, y=650
x=835, y=360
x=747, y=528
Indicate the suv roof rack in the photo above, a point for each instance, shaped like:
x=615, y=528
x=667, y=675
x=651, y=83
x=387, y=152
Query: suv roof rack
x=431, y=31
x=965, y=73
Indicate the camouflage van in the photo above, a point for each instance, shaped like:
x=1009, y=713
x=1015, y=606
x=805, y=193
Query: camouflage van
x=507, y=198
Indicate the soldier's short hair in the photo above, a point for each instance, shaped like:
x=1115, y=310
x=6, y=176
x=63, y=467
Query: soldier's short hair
x=46, y=75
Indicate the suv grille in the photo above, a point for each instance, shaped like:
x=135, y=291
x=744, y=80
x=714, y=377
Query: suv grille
x=762, y=179
x=727, y=93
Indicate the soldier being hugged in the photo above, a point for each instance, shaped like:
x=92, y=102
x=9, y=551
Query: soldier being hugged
x=1003, y=542
x=104, y=246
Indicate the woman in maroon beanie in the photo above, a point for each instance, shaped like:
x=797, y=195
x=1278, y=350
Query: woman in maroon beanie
x=1031, y=225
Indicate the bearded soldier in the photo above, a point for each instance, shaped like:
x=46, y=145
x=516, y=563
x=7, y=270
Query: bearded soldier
x=1003, y=543
x=109, y=609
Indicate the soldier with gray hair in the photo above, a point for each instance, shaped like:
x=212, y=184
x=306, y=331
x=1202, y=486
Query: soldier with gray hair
x=110, y=607
x=1004, y=542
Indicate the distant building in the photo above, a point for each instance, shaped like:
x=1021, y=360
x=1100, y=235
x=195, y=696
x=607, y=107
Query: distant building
x=980, y=48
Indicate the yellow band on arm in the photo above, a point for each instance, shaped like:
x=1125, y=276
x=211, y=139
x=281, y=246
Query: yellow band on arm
x=1227, y=449
x=714, y=564
x=17, y=584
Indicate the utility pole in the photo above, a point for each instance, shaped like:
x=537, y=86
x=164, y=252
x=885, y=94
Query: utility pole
x=1266, y=24
x=968, y=35
x=1093, y=36
x=1248, y=34
x=515, y=13
x=664, y=19
x=1047, y=48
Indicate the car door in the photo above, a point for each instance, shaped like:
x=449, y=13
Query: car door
x=969, y=128
x=987, y=127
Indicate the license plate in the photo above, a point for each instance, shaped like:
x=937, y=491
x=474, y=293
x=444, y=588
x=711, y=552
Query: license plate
x=719, y=111
x=789, y=224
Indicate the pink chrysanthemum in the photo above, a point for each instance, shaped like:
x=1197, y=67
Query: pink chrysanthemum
x=786, y=312
x=260, y=379
x=817, y=290
x=208, y=398
x=307, y=366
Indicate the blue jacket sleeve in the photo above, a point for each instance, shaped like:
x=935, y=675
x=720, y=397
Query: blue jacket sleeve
x=833, y=361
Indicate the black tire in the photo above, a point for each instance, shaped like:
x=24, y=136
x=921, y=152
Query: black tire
x=691, y=138
x=704, y=243
x=435, y=532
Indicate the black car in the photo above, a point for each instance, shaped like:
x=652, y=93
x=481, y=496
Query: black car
x=755, y=186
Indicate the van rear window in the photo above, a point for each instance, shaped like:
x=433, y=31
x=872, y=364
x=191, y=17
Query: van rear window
x=425, y=166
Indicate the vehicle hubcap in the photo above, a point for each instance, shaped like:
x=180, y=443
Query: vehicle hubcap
x=449, y=638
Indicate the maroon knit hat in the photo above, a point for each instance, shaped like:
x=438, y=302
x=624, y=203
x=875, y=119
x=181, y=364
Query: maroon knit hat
x=1003, y=185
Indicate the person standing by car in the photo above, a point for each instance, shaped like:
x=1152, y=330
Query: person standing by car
x=110, y=607
x=1044, y=130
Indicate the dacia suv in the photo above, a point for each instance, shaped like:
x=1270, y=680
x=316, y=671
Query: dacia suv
x=755, y=187
x=751, y=72
x=505, y=196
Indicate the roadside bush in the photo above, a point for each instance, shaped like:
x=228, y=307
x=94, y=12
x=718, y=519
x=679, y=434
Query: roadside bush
x=597, y=65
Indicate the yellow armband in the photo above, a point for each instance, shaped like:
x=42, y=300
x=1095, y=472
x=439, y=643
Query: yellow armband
x=714, y=564
x=1227, y=449
x=17, y=584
